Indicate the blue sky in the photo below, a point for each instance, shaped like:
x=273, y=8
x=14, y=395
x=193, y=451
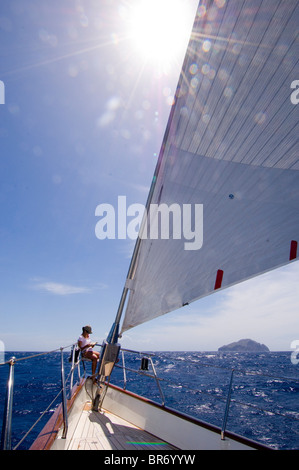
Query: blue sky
x=84, y=117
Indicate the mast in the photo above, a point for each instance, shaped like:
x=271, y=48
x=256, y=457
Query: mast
x=114, y=332
x=111, y=347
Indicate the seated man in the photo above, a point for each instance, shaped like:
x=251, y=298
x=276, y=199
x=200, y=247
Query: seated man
x=86, y=347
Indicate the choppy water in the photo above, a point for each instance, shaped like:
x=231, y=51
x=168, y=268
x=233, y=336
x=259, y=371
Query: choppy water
x=264, y=402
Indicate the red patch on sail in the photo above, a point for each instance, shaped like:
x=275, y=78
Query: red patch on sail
x=219, y=278
x=293, y=250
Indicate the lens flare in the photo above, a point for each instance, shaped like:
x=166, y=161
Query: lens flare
x=158, y=29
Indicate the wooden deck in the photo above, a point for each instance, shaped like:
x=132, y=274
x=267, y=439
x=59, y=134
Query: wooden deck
x=103, y=430
x=93, y=430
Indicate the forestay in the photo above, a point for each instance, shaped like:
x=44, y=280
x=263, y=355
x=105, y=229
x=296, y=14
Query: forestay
x=231, y=144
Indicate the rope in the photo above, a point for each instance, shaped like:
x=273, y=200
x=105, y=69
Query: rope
x=34, y=424
x=242, y=371
x=217, y=397
x=45, y=411
x=276, y=413
x=55, y=398
x=34, y=355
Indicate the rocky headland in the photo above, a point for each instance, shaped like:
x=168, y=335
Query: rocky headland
x=245, y=345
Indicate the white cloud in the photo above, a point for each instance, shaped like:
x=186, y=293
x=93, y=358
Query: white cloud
x=61, y=289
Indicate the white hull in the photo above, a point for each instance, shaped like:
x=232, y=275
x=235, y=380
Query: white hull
x=130, y=422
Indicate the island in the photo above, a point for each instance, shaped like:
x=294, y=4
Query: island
x=244, y=345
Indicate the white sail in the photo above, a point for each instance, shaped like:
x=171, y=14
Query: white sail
x=231, y=145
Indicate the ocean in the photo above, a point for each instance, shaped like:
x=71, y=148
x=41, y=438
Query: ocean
x=264, y=400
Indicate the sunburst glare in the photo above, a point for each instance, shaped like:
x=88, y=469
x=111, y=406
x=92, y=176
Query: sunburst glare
x=160, y=30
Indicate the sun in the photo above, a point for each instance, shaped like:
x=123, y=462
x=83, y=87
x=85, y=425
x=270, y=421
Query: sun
x=160, y=29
